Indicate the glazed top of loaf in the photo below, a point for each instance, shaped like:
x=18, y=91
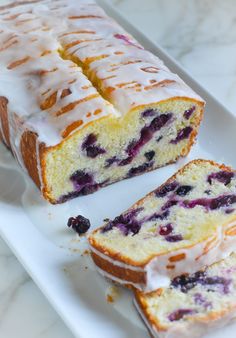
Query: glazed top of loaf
x=65, y=63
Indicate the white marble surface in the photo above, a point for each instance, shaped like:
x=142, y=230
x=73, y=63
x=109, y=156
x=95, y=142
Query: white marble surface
x=201, y=35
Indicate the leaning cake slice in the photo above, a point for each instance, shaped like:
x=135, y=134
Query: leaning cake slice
x=181, y=227
x=195, y=303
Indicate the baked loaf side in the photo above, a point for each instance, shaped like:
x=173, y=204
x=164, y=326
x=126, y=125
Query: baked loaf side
x=181, y=227
x=196, y=303
x=82, y=104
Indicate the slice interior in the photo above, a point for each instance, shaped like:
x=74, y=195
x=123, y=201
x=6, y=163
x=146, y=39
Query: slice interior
x=187, y=209
x=205, y=295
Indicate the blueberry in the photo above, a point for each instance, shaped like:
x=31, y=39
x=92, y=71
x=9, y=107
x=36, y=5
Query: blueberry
x=160, y=216
x=81, y=178
x=148, y=112
x=125, y=223
x=222, y=201
x=90, y=140
x=179, y=314
x=140, y=169
x=174, y=238
x=165, y=189
x=182, y=134
x=165, y=230
x=80, y=224
x=126, y=161
x=110, y=161
x=149, y=155
x=183, y=190
x=212, y=203
x=224, y=177
x=169, y=204
x=189, y=112
x=94, y=151
x=160, y=121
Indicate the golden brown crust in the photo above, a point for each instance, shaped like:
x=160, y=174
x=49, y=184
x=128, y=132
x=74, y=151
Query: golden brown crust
x=28, y=147
x=213, y=316
x=4, y=119
x=117, y=271
x=126, y=260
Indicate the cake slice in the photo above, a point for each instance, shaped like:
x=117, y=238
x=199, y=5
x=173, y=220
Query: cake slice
x=184, y=225
x=82, y=103
x=192, y=305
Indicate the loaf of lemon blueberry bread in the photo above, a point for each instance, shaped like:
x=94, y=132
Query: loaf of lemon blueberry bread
x=82, y=103
x=193, y=305
x=184, y=225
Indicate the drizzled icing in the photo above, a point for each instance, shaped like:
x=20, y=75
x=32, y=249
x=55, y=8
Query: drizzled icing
x=53, y=96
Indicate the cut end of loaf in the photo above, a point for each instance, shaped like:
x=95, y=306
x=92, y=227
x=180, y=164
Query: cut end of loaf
x=112, y=149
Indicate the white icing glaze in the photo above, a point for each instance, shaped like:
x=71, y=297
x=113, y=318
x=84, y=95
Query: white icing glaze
x=157, y=273
x=32, y=69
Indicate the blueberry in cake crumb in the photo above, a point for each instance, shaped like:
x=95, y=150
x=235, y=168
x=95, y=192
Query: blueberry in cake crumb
x=125, y=223
x=173, y=238
x=179, y=314
x=139, y=169
x=182, y=134
x=79, y=224
x=224, y=177
x=149, y=155
x=148, y=112
x=159, y=138
x=89, y=146
x=165, y=230
x=94, y=151
x=164, y=190
x=183, y=190
x=89, y=141
x=188, y=113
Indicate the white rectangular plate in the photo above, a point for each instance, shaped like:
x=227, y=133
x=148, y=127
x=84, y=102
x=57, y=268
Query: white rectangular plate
x=52, y=254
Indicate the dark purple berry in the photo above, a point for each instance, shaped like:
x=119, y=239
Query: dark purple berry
x=160, y=121
x=110, y=161
x=182, y=134
x=135, y=146
x=229, y=211
x=159, y=138
x=186, y=283
x=140, y=169
x=169, y=204
x=148, y=112
x=224, y=177
x=179, y=314
x=164, y=190
x=90, y=140
x=81, y=178
x=149, y=155
x=80, y=224
x=189, y=112
x=94, y=151
x=156, y=216
x=165, y=230
x=126, y=161
x=125, y=223
x=207, y=192
x=183, y=190
x=174, y=238
x=212, y=203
